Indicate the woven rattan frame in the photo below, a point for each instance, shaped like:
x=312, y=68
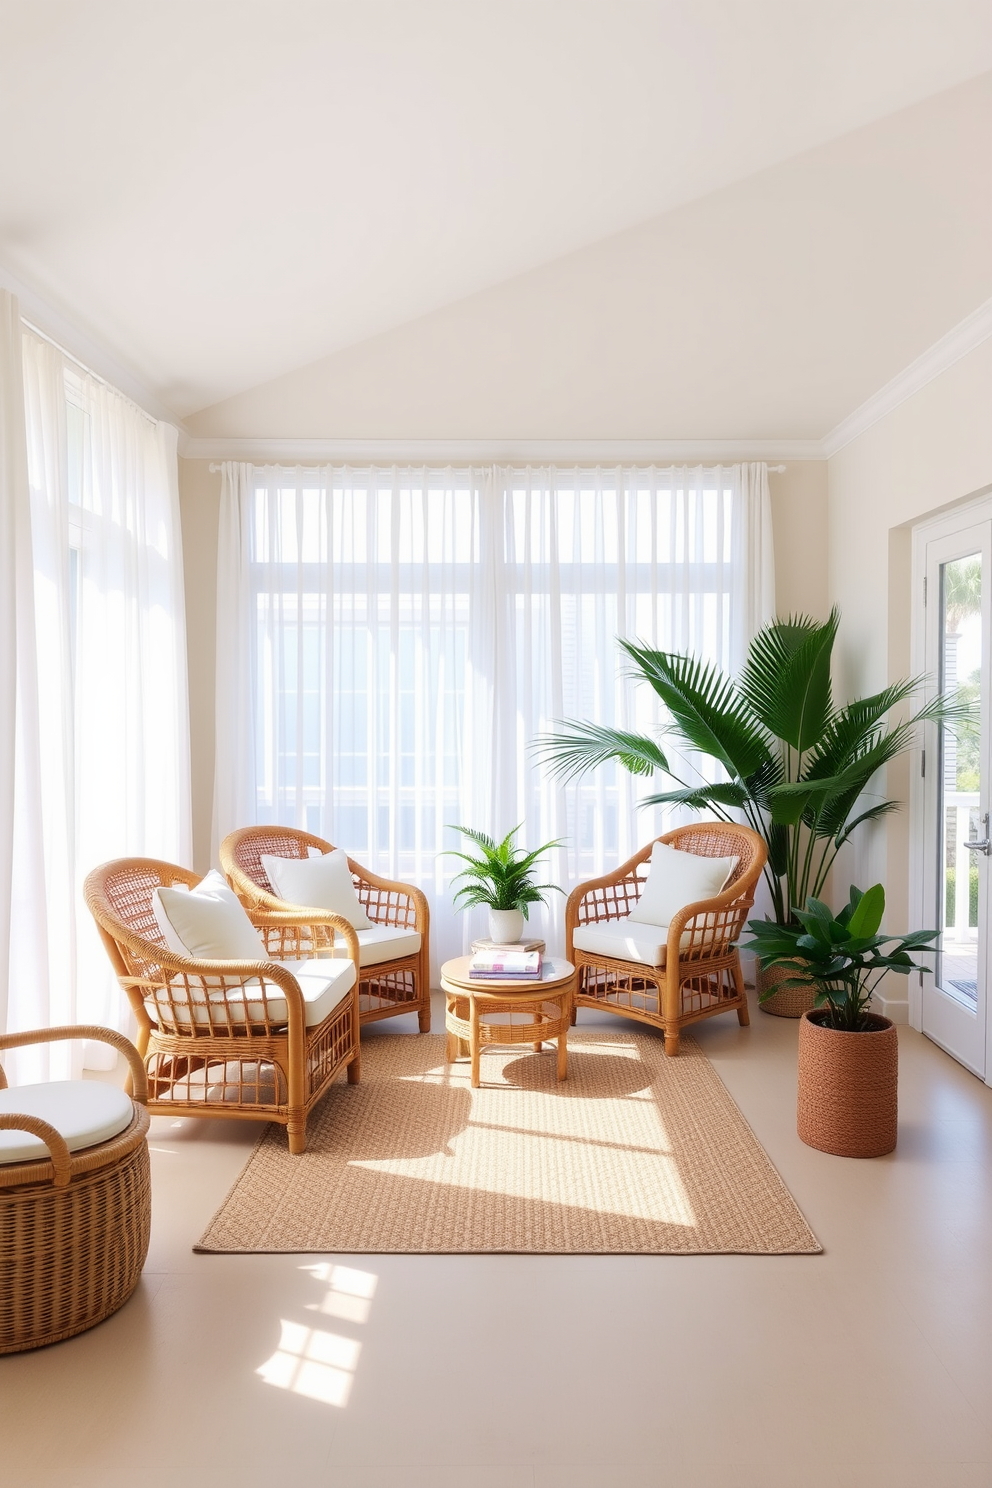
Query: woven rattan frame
x=219, y=1066
x=384, y=990
x=699, y=979
x=74, y=1226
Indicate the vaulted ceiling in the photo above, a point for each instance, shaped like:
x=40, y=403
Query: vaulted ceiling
x=221, y=194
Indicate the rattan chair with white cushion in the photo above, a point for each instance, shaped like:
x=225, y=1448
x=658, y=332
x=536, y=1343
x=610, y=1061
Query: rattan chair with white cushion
x=656, y=939
x=237, y=1034
x=75, y=1197
x=390, y=920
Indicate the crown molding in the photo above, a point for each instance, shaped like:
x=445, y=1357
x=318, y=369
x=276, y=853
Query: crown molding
x=498, y=451
x=94, y=357
x=963, y=338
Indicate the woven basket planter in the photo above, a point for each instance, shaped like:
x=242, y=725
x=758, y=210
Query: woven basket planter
x=848, y=1088
x=72, y=1255
x=791, y=1002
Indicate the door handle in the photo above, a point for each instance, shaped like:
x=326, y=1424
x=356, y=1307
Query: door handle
x=980, y=844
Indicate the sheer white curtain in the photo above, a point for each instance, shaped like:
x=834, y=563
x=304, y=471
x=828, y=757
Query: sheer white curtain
x=16, y=616
x=102, y=767
x=235, y=729
x=410, y=632
x=368, y=718
x=655, y=555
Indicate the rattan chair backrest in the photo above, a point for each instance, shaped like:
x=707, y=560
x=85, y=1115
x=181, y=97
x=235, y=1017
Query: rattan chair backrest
x=243, y=850
x=714, y=839
x=119, y=897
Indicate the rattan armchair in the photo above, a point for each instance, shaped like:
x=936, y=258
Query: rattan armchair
x=387, y=987
x=218, y=1038
x=699, y=969
x=74, y=1225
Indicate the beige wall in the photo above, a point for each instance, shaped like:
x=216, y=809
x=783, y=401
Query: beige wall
x=932, y=451
x=799, y=522
x=199, y=506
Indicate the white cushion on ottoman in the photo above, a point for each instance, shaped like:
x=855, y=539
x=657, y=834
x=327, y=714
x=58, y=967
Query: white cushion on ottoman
x=84, y=1112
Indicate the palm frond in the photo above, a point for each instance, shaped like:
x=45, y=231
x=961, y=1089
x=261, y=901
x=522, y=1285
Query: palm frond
x=579, y=747
x=852, y=728
x=699, y=797
x=786, y=677
x=873, y=813
x=708, y=711
x=813, y=799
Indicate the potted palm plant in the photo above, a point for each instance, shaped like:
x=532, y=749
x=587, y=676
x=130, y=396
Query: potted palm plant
x=848, y=1055
x=502, y=878
x=796, y=766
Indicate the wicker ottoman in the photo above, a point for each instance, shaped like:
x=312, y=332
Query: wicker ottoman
x=74, y=1226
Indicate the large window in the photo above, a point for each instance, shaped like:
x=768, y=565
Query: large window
x=413, y=631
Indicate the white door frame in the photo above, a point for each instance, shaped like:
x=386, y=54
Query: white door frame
x=977, y=509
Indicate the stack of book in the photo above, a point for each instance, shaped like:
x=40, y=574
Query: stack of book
x=494, y=964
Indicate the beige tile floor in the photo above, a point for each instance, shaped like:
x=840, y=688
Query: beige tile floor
x=867, y=1367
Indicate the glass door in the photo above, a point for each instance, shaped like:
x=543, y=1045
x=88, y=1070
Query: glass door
x=958, y=587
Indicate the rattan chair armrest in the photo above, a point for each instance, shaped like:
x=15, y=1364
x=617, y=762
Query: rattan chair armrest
x=395, y=886
x=679, y=922
x=617, y=875
x=304, y=918
x=606, y=880
x=240, y=972
x=93, y=1032
x=718, y=902
x=53, y=1140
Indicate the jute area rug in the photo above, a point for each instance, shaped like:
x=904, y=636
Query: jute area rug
x=632, y=1154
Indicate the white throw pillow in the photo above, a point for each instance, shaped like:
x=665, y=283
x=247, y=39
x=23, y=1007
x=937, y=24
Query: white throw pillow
x=324, y=882
x=676, y=879
x=207, y=922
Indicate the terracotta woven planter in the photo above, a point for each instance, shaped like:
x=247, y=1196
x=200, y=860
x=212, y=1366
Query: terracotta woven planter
x=791, y=1002
x=848, y=1088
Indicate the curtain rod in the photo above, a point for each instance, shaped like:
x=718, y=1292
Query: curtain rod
x=214, y=468
x=44, y=336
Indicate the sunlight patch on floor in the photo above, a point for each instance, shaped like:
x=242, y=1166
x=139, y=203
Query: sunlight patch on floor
x=312, y=1361
x=609, y=1153
x=349, y=1292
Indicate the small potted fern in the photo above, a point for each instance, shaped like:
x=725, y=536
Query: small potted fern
x=848, y=1055
x=502, y=879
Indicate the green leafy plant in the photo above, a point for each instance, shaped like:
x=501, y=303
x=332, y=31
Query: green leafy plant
x=502, y=877
x=797, y=767
x=845, y=956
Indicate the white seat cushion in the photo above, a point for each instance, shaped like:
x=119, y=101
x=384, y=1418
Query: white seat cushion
x=625, y=939
x=678, y=878
x=323, y=882
x=207, y=922
x=383, y=943
x=84, y=1112
x=629, y=940
x=323, y=984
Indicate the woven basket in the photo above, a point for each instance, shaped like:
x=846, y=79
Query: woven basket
x=848, y=1088
x=791, y=1002
x=70, y=1256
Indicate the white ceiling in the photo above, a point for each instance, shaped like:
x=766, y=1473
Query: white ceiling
x=223, y=191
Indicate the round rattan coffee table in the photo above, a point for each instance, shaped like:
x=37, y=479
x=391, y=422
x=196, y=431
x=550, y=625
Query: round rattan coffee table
x=479, y=1012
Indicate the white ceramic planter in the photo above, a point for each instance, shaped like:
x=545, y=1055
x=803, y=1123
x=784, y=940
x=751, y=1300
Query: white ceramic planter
x=506, y=925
